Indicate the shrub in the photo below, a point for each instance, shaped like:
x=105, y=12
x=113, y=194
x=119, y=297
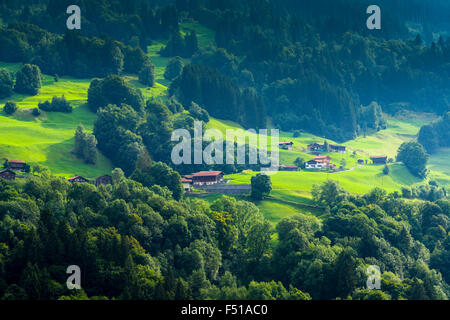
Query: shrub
x=10, y=107
x=36, y=112
x=58, y=104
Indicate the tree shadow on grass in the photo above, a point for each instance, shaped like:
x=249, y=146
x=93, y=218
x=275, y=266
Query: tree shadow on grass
x=62, y=161
x=401, y=175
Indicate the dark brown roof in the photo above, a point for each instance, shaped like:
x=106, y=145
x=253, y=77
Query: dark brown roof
x=378, y=157
x=79, y=177
x=7, y=170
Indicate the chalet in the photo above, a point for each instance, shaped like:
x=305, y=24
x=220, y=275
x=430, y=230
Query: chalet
x=320, y=162
x=377, y=160
x=320, y=146
x=314, y=164
x=337, y=148
x=324, y=159
x=187, y=183
x=207, y=177
x=316, y=146
x=105, y=179
x=286, y=145
x=360, y=161
x=17, y=165
x=284, y=167
x=7, y=174
x=78, y=179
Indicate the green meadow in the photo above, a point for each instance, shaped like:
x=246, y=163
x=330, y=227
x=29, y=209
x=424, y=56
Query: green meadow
x=292, y=190
x=49, y=139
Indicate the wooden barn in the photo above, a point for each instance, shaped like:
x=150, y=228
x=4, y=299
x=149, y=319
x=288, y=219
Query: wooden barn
x=78, y=179
x=7, y=174
x=17, y=165
x=316, y=146
x=379, y=160
x=105, y=179
x=320, y=146
x=286, y=145
x=337, y=148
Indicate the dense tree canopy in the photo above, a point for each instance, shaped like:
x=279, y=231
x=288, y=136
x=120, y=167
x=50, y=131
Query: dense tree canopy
x=28, y=80
x=114, y=90
x=6, y=84
x=436, y=135
x=414, y=156
x=85, y=145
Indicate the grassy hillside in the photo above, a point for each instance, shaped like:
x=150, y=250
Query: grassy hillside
x=49, y=139
x=291, y=190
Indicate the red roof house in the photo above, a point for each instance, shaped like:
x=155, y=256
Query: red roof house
x=17, y=165
x=324, y=159
x=206, y=177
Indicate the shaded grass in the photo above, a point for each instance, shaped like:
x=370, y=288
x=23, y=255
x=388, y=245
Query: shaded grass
x=440, y=168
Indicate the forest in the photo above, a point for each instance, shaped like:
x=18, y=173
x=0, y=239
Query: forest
x=287, y=66
x=306, y=67
x=134, y=242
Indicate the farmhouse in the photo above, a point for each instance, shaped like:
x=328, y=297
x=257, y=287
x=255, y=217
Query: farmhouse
x=17, y=165
x=284, y=167
x=320, y=146
x=7, y=174
x=324, y=159
x=187, y=183
x=314, y=164
x=337, y=148
x=377, y=160
x=286, y=145
x=78, y=179
x=319, y=162
x=316, y=146
x=105, y=179
x=206, y=177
